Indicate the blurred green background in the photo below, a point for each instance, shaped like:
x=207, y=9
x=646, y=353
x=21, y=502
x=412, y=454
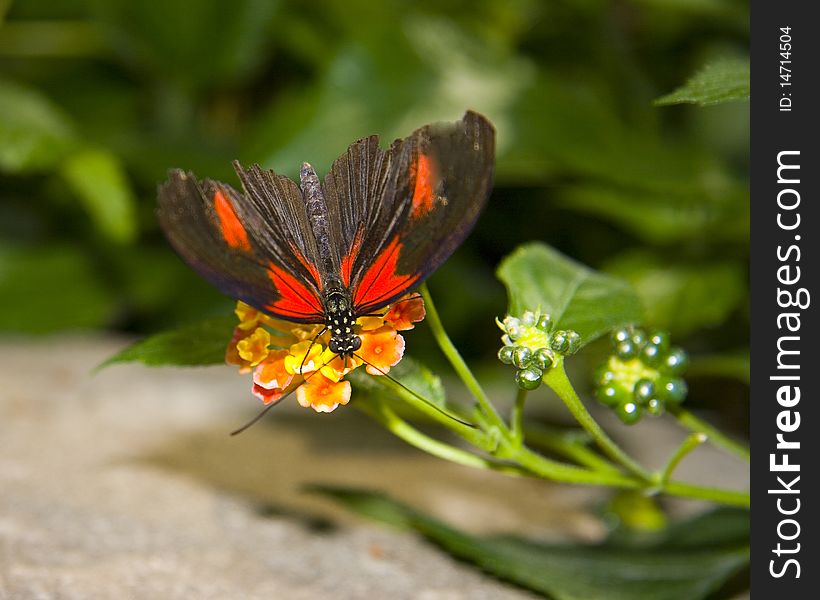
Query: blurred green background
x=99, y=98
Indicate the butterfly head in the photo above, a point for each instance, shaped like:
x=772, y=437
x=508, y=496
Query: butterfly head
x=341, y=322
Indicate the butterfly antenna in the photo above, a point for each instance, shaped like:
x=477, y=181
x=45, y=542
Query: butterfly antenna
x=312, y=342
x=264, y=411
x=422, y=398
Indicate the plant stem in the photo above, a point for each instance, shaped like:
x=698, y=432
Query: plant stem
x=473, y=435
x=461, y=368
x=556, y=378
x=689, y=444
x=569, y=445
x=516, y=429
x=411, y=435
x=556, y=471
x=520, y=460
x=697, y=492
x=693, y=423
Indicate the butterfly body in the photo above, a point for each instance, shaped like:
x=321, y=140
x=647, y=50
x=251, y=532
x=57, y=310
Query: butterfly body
x=331, y=251
x=340, y=319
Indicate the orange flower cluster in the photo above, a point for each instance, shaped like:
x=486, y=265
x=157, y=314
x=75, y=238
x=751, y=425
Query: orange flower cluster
x=283, y=355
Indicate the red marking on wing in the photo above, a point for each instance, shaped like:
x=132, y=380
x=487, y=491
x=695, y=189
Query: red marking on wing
x=311, y=268
x=296, y=300
x=347, y=261
x=233, y=232
x=381, y=281
x=423, y=194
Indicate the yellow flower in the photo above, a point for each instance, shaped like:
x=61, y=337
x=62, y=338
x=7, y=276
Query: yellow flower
x=284, y=354
x=248, y=316
x=254, y=348
x=335, y=367
x=303, y=357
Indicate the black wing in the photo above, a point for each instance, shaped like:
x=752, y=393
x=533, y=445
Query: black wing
x=401, y=212
x=250, y=245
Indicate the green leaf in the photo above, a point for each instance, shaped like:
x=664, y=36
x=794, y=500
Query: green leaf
x=666, y=218
x=682, y=298
x=411, y=374
x=196, y=344
x=364, y=90
x=722, y=81
x=98, y=179
x=51, y=288
x=561, y=126
x=34, y=134
x=191, y=42
x=688, y=566
x=577, y=298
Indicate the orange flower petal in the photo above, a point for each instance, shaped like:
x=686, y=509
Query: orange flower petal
x=405, y=312
x=323, y=395
x=382, y=349
x=266, y=395
x=271, y=373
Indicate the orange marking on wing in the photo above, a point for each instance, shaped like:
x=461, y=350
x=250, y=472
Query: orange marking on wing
x=296, y=300
x=381, y=280
x=347, y=261
x=311, y=268
x=423, y=194
x=231, y=227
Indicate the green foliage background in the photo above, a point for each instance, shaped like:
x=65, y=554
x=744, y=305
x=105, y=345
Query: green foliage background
x=99, y=98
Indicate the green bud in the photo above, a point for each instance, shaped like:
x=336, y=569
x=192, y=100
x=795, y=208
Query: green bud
x=654, y=406
x=629, y=412
x=643, y=391
x=513, y=327
x=603, y=375
x=544, y=358
x=544, y=323
x=619, y=335
x=528, y=379
x=528, y=319
x=611, y=395
x=522, y=356
x=574, y=342
x=505, y=354
x=638, y=337
x=560, y=341
x=660, y=339
x=625, y=350
x=651, y=354
x=672, y=389
x=676, y=361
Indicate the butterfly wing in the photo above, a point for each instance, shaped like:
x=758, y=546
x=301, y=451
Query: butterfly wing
x=404, y=210
x=244, y=244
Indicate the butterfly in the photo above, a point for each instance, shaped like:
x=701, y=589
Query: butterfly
x=331, y=251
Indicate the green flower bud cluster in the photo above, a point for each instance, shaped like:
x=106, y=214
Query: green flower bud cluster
x=642, y=375
x=533, y=347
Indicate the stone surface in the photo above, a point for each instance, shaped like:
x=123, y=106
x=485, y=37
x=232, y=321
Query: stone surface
x=125, y=484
